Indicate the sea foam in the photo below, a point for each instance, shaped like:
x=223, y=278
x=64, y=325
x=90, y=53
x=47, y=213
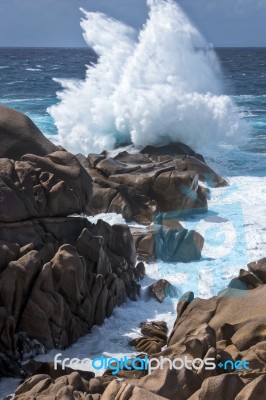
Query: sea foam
x=161, y=85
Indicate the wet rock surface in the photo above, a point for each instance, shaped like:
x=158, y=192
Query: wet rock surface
x=154, y=337
x=167, y=243
x=53, y=185
x=230, y=326
x=20, y=136
x=62, y=285
x=155, y=180
x=161, y=289
x=59, y=275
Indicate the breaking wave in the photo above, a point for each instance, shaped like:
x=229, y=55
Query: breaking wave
x=161, y=85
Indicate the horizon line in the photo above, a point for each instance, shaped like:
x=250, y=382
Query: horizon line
x=87, y=47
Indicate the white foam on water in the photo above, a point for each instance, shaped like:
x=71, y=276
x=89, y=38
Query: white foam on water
x=161, y=85
x=111, y=218
x=33, y=69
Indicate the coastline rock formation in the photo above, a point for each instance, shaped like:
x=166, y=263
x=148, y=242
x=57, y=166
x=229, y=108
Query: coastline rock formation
x=63, y=276
x=53, y=185
x=20, y=136
x=59, y=275
x=154, y=337
x=167, y=243
x=228, y=328
x=141, y=185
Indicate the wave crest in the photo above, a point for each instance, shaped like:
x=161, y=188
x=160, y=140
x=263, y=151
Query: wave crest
x=159, y=86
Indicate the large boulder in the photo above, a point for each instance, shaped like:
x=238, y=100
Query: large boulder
x=53, y=185
x=167, y=243
x=258, y=268
x=20, y=136
x=171, y=149
x=161, y=289
x=154, y=337
x=155, y=180
x=224, y=315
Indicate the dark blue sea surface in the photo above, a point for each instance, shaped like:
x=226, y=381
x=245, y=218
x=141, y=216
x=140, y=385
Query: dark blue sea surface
x=28, y=78
x=28, y=82
x=245, y=80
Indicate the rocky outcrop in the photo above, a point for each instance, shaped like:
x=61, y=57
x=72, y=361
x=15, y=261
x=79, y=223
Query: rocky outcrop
x=154, y=337
x=67, y=387
x=169, y=242
x=20, y=136
x=258, y=269
x=53, y=185
x=59, y=275
x=161, y=289
x=66, y=275
x=227, y=328
x=141, y=185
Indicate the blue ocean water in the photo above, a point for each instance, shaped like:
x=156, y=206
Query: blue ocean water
x=245, y=80
x=28, y=83
x=27, y=79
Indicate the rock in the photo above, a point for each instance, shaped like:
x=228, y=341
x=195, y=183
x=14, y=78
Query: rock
x=145, y=243
x=230, y=326
x=143, y=184
x=223, y=387
x=171, y=384
x=65, y=387
x=155, y=329
x=233, y=315
x=245, y=281
x=139, y=271
x=59, y=275
x=223, y=315
x=258, y=268
x=167, y=244
x=206, y=174
x=178, y=245
x=146, y=344
x=254, y=390
x=118, y=391
x=53, y=185
x=109, y=166
x=161, y=289
x=183, y=302
x=24, y=348
x=172, y=149
x=60, y=287
x=8, y=253
x=133, y=158
x=96, y=386
x=34, y=367
x=154, y=337
x=20, y=136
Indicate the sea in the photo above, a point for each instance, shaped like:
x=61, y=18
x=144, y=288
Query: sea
x=140, y=92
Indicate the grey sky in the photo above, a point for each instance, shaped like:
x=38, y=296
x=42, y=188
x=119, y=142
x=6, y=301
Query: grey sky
x=56, y=22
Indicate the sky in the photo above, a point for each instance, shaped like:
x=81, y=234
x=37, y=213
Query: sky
x=55, y=23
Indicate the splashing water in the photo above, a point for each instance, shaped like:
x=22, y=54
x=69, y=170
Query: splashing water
x=159, y=86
